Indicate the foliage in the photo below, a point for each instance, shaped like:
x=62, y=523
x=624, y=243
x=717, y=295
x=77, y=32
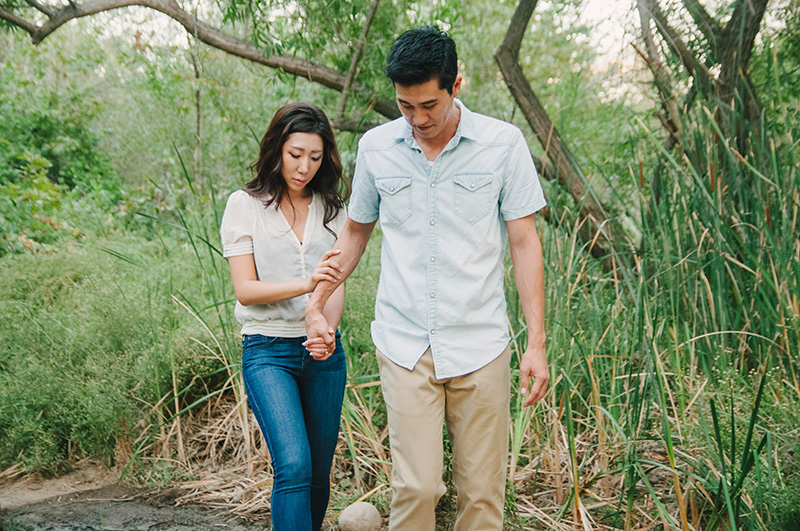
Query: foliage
x=326, y=32
x=47, y=116
x=116, y=334
x=85, y=345
x=787, y=512
x=27, y=209
x=776, y=70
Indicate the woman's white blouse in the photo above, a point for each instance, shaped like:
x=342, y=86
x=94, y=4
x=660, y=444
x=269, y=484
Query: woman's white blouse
x=248, y=227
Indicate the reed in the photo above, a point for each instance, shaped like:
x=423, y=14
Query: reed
x=707, y=307
x=630, y=435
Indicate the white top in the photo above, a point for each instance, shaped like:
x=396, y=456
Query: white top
x=248, y=227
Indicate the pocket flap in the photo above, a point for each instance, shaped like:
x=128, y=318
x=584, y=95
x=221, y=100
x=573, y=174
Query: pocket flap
x=392, y=185
x=472, y=181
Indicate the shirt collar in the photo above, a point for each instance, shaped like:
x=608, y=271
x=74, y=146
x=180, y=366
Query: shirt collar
x=466, y=127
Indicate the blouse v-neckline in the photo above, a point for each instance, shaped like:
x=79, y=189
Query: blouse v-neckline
x=303, y=234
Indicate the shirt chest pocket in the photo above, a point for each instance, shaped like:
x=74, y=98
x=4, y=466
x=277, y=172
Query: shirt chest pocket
x=395, y=195
x=472, y=195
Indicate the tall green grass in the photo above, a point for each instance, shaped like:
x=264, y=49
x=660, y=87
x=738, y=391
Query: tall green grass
x=87, y=340
x=674, y=393
x=706, y=313
x=674, y=396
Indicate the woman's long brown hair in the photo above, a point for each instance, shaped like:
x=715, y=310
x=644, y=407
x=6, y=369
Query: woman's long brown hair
x=268, y=183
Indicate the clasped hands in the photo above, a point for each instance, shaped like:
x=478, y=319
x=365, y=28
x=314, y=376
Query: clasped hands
x=321, y=338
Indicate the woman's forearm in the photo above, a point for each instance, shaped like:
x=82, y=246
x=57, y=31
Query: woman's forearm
x=250, y=290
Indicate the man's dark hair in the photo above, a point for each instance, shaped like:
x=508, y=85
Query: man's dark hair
x=422, y=54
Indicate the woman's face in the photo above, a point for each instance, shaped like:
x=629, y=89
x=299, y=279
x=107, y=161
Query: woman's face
x=302, y=157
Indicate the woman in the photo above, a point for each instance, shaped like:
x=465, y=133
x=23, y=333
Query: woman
x=273, y=233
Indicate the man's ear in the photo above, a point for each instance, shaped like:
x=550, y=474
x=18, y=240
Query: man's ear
x=457, y=85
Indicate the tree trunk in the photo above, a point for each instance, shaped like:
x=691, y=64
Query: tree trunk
x=568, y=173
x=735, y=89
x=728, y=46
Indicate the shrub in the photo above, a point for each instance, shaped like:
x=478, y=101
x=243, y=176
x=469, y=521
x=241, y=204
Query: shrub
x=88, y=345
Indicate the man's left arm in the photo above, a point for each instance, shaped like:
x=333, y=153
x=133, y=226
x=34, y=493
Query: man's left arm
x=526, y=256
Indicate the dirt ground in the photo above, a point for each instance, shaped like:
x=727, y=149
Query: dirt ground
x=89, y=499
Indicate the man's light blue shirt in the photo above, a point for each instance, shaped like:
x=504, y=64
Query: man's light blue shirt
x=444, y=238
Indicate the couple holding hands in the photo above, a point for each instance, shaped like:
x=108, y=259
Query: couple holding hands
x=451, y=188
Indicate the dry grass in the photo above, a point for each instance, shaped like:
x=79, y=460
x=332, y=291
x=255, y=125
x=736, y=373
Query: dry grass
x=224, y=477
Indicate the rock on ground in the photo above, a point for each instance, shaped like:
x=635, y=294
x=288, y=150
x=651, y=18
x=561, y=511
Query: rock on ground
x=360, y=516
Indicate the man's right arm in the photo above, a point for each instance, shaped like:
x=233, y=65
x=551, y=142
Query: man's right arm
x=351, y=244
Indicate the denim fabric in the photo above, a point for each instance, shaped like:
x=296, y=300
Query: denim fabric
x=444, y=237
x=297, y=402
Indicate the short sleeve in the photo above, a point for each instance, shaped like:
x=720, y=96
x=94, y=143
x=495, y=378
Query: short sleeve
x=237, y=225
x=364, y=201
x=521, y=194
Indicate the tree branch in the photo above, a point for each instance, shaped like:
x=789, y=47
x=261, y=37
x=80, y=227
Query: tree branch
x=44, y=9
x=512, y=42
x=29, y=27
x=205, y=33
x=351, y=73
x=678, y=47
x=709, y=27
x=662, y=80
x=647, y=34
x=568, y=172
x=352, y=126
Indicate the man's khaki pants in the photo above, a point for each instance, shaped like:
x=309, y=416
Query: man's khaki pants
x=476, y=409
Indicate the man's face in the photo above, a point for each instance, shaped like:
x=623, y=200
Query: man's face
x=428, y=109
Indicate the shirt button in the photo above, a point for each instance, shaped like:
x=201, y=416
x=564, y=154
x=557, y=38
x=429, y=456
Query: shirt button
x=433, y=330
x=433, y=258
x=471, y=186
x=432, y=185
x=391, y=188
x=433, y=222
x=433, y=295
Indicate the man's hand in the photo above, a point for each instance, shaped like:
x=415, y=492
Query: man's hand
x=321, y=338
x=534, y=365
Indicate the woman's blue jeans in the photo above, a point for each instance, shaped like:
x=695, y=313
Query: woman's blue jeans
x=297, y=402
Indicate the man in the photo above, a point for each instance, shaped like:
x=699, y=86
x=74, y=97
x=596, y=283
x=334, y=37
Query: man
x=448, y=186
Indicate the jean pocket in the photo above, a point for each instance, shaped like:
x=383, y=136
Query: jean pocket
x=395, y=195
x=257, y=340
x=472, y=195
